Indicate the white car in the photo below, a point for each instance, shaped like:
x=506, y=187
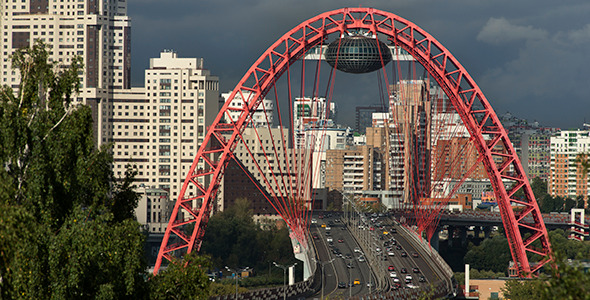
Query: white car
x=393, y=275
x=357, y=249
x=390, y=253
x=314, y=221
x=361, y=258
x=329, y=239
x=328, y=227
x=408, y=277
x=395, y=279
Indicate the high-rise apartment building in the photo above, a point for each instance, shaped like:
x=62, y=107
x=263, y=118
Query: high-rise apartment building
x=364, y=116
x=534, y=152
x=160, y=127
x=98, y=31
x=566, y=177
x=263, y=115
x=261, y=160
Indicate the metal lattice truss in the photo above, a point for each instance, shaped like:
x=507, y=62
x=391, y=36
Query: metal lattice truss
x=521, y=216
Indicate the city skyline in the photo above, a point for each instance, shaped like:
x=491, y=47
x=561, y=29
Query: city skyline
x=526, y=57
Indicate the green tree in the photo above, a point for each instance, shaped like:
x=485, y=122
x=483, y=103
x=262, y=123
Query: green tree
x=539, y=187
x=567, y=281
x=491, y=255
x=234, y=240
x=66, y=224
x=550, y=204
x=182, y=279
x=516, y=289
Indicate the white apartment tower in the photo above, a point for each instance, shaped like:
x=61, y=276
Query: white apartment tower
x=263, y=116
x=96, y=30
x=566, y=177
x=160, y=127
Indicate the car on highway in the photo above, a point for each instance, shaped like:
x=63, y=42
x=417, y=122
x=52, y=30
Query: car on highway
x=392, y=274
x=350, y=266
x=390, y=253
x=340, y=241
x=390, y=268
x=395, y=279
x=403, y=270
x=416, y=270
x=409, y=277
x=422, y=279
x=323, y=225
x=398, y=247
x=328, y=227
x=404, y=254
x=341, y=285
x=415, y=254
x=356, y=282
x=370, y=284
x=329, y=239
x=314, y=221
x=361, y=258
x=357, y=249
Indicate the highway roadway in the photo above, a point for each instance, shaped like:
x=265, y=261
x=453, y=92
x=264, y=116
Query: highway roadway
x=407, y=255
x=345, y=274
x=389, y=254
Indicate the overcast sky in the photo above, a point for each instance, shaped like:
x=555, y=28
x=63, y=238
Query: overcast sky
x=529, y=57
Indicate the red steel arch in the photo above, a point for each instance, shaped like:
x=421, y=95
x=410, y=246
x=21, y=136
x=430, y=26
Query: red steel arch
x=524, y=226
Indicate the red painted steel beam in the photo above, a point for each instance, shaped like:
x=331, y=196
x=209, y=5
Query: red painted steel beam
x=461, y=89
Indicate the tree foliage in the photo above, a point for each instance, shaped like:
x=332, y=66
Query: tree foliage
x=234, y=240
x=566, y=281
x=182, y=279
x=67, y=229
x=491, y=255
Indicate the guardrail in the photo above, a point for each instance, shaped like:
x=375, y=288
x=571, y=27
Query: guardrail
x=300, y=289
x=441, y=288
x=441, y=265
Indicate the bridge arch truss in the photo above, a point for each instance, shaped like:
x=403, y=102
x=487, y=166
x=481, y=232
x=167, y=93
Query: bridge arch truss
x=521, y=217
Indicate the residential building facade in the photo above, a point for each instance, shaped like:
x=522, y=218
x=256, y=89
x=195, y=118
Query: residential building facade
x=160, y=126
x=566, y=177
x=97, y=31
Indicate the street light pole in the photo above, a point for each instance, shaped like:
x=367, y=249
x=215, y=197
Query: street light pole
x=284, y=276
x=236, y=275
x=350, y=283
x=323, y=275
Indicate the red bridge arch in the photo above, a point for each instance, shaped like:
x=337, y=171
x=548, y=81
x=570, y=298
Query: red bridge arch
x=525, y=230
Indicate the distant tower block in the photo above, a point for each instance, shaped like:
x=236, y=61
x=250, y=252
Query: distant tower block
x=579, y=229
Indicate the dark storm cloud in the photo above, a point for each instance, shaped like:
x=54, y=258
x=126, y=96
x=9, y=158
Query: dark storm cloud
x=529, y=57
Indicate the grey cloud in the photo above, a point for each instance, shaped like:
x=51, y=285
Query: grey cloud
x=499, y=30
x=528, y=56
